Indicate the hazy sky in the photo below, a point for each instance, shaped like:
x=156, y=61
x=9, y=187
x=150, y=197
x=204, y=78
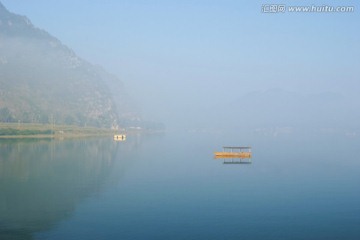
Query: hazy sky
x=177, y=56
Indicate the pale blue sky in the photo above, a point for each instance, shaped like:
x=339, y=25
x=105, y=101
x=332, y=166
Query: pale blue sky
x=185, y=55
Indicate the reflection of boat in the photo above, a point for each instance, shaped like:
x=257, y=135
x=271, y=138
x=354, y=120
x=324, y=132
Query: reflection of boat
x=237, y=162
x=234, y=153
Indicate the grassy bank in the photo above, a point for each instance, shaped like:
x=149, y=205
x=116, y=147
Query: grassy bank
x=27, y=130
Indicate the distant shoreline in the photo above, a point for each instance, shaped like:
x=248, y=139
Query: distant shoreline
x=50, y=136
x=28, y=130
x=48, y=131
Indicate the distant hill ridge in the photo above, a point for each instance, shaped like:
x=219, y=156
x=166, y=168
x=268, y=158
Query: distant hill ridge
x=44, y=81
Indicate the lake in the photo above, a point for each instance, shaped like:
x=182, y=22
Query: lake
x=169, y=186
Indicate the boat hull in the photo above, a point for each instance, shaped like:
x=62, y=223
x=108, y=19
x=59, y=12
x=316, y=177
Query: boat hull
x=232, y=155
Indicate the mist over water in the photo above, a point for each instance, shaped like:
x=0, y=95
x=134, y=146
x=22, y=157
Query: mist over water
x=170, y=186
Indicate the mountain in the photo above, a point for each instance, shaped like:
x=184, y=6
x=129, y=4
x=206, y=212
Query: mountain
x=281, y=108
x=44, y=81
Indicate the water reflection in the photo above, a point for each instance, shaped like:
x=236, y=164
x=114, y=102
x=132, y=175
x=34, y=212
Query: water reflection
x=233, y=160
x=166, y=188
x=42, y=181
x=236, y=161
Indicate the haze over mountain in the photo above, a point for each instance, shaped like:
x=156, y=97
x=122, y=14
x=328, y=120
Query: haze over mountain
x=204, y=65
x=44, y=81
x=280, y=108
x=276, y=111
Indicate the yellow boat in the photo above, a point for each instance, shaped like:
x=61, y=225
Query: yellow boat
x=234, y=152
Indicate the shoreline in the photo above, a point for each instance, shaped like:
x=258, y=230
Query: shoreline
x=37, y=131
x=44, y=136
x=28, y=130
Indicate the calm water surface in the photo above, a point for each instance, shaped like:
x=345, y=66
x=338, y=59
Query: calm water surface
x=170, y=187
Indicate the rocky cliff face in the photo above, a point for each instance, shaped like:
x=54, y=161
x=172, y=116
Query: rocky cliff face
x=43, y=81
